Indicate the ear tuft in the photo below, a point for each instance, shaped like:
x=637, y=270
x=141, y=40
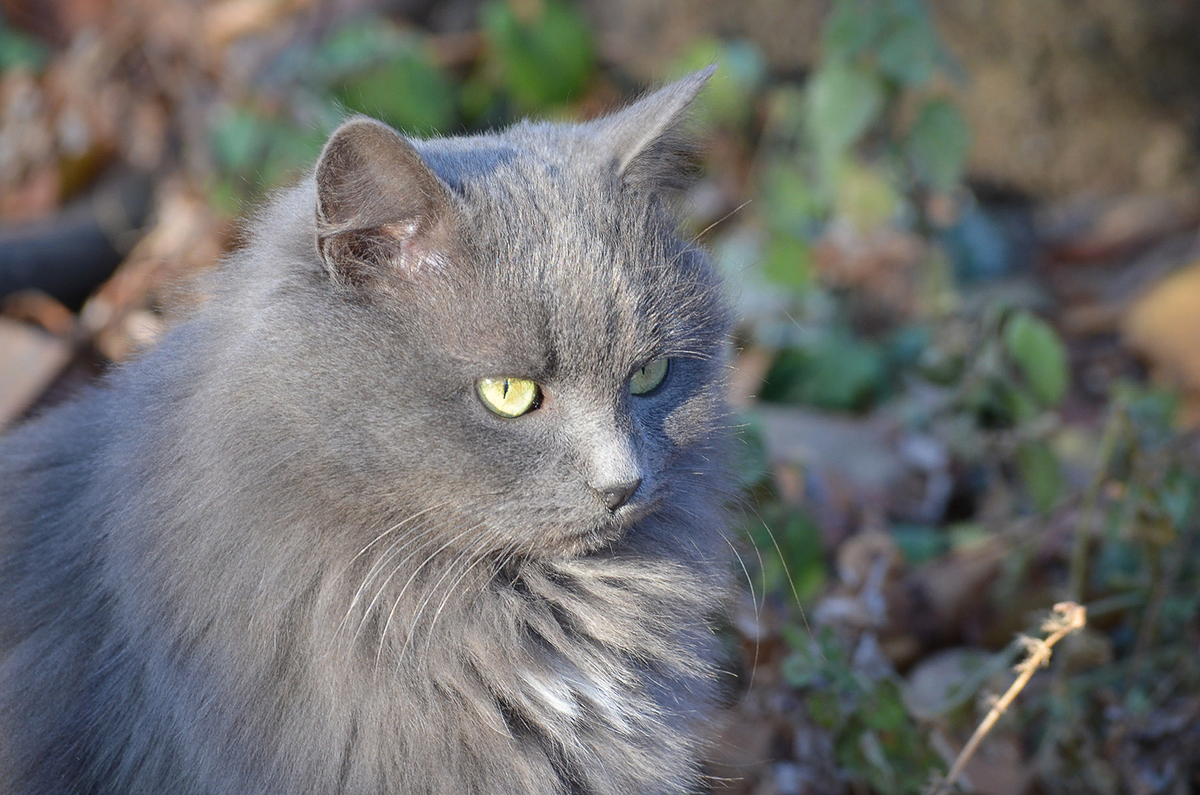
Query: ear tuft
x=379, y=206
x=644, y=142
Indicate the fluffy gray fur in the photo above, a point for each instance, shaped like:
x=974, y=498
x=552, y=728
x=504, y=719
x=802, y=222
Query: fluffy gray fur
x=290, y=551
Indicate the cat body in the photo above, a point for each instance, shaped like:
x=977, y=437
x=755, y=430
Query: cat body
x=290, y=549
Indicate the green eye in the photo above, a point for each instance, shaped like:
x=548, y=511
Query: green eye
x=509, y=397
x=648, y=378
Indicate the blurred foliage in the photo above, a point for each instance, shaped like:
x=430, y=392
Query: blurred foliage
x=843, y=219
x=791, y=556
x=876, y=53
x=540, y=54
x=863, y=150
x=536, y=58
x=875, y=739
x=380, y=71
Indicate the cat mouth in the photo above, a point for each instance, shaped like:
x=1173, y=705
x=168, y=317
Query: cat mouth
x=611, y=530
x=593, y=539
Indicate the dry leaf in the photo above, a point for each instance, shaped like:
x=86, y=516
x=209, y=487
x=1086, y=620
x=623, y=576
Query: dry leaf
x=1164, y=327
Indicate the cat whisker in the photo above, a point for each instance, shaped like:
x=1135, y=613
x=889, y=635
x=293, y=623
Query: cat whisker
x=392, y=529
x=367, y=578
x=754, y=599
x=413, y=535
x=449, y=592
x=787, y=571
x=400, y=596
x=696, y=239
x=426, y=537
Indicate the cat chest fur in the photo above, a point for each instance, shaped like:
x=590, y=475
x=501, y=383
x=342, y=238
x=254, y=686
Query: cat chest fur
x=569, y=690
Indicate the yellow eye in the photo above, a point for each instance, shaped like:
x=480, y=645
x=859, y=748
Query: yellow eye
x=510, y=397
x=648, y=378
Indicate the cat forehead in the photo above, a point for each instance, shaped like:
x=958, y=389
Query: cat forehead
x=538, y=318
x=584, y=316
x=545, y=203
x=567, y=267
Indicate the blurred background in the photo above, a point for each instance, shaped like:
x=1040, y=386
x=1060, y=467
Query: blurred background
x=963, y=238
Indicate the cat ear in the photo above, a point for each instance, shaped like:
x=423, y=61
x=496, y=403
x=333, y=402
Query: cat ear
x=644, y=142
x=379, y=206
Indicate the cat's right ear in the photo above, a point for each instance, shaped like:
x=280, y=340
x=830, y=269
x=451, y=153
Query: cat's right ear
x=379, y=206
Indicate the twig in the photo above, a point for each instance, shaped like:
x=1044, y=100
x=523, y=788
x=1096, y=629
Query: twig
x=1066, y=618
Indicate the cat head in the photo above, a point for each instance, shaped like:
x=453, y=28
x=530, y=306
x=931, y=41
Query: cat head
x=517, y=351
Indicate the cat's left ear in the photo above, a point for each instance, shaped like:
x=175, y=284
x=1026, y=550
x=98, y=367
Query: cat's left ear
x=644, y=143
x=379, y=206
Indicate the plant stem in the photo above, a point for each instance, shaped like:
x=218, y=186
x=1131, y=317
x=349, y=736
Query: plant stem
x=1066, y=618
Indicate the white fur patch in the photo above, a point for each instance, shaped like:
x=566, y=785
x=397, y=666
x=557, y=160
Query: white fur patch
x=565, y=694
x=556, y=695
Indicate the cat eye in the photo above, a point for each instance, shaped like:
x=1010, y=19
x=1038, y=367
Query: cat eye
x=649, y=377
x=509, y=397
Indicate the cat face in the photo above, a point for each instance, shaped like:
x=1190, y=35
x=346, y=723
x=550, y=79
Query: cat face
x=547, y=352
x=612, y=355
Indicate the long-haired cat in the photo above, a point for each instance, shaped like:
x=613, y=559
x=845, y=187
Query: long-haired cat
x=425, y=498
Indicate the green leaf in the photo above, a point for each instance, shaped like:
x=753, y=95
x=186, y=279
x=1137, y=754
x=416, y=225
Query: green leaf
x=753, y=464
x=1018, y=401
x=887, y=712
x=844, y=100
x=919, y=543
x=408, y=91
x=1041, y=356
x=788, y=262
x=851, y=27
x=938, y=144
x=909, y=52
x=791, y=555
x=866, y=197
x=239, y=139
x=225, y=195
x=800, y=670
x=290, y=151
x=353, y=48
x=20, y=50
x=824, y=709
x=254, y=151
x=482, y=103
x=1040, y=473
x=791, y=204
x=838, y=373
x=542, y=61
x=845, y=375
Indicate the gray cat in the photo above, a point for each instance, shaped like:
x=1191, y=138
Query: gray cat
x=426, y=497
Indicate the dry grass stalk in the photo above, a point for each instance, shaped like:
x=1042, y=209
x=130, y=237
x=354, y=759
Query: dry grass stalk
x=1066, y=618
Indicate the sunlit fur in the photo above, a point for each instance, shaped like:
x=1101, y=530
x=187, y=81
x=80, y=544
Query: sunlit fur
x=290, y=551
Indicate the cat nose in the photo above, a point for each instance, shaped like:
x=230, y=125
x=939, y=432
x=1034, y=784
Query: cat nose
x=618, y=494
